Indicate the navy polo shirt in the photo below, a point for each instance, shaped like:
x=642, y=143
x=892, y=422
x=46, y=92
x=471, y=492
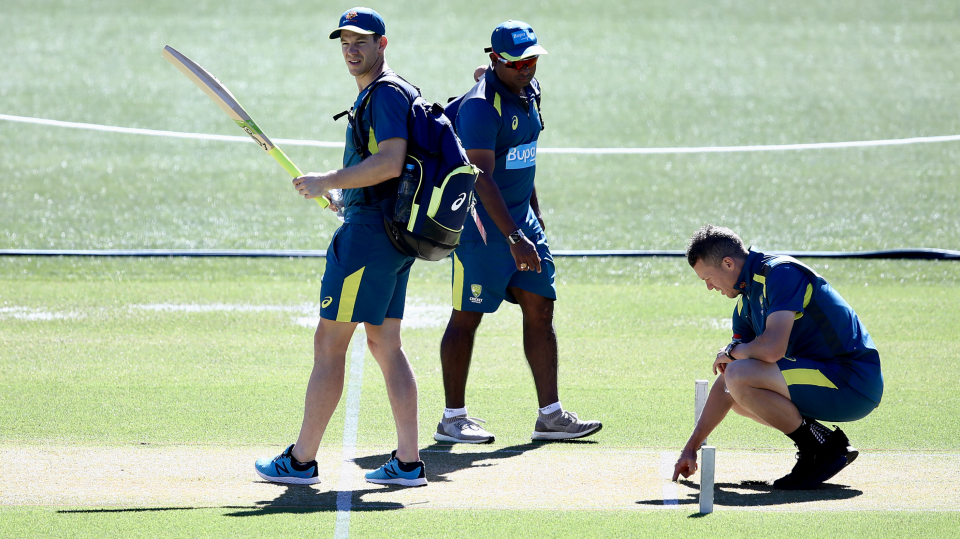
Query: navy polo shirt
x=384, y=118
x=491, y=117
x=825, y=328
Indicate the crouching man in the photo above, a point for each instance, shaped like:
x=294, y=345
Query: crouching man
x=799, y=354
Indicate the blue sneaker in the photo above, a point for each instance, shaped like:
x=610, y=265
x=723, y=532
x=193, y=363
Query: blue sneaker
x=391, y=474
x=285, y=469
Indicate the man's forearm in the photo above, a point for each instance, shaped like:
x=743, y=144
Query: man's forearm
x=716, y=408
x=375, y=169
x=535, y=203
x=493, y=202
x=772, y=344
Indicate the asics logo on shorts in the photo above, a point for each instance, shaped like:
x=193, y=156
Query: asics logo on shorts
x=458, y=202
x=523, y=156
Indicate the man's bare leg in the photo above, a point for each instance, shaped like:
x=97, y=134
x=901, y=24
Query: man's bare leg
x=759, y=387
x=325, y=387
x=385, y=345
x=539, y=343
x=456, y=351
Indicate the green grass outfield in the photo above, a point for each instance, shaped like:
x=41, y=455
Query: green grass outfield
x=662, y=74
x=87, y=365
x=120, y=354
x=92, y=339
x=175, y=523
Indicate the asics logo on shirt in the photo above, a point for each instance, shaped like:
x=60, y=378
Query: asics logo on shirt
x=523, y=156
x=326, y=301
x=458, y=202
x=515, y=123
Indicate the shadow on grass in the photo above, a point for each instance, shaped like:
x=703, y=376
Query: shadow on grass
x=762, y=494
x=304, y=499
x=440, y=462
x=294, y=499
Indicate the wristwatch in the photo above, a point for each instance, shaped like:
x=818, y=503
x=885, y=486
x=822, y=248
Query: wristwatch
x=515, y=237
x=728, y=349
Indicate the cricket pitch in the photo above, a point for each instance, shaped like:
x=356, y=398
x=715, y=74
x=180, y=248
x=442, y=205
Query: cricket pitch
x=530, y=476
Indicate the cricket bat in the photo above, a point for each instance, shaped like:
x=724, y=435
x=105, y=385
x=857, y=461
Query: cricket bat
x=222, y=97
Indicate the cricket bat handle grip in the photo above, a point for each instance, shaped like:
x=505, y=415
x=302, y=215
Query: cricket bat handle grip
x=294, y=172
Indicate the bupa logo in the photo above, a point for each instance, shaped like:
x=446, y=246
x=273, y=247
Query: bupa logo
x=458, y=202
x=524, y=156
x=521, y=37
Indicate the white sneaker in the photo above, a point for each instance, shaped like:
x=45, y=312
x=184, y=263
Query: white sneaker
x=563, y=425
x=462, y=430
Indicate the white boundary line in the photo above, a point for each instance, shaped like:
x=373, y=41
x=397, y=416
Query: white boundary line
x=590, y=151
x=347, y=467
x=158, y=133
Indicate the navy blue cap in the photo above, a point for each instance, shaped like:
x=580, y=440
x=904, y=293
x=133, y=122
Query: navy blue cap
x=361, y=20
x=515, y=40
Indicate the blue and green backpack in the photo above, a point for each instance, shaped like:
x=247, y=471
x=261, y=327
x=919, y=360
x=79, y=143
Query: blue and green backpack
x=445, y=178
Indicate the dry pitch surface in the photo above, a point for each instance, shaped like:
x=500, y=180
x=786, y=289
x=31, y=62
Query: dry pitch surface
x=518, y=477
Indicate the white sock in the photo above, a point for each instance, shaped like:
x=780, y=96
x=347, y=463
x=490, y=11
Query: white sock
x=551, y=408
x=454, y=412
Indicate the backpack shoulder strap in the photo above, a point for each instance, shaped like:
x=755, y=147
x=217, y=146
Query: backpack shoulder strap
x=361, y=139
x=536, y=96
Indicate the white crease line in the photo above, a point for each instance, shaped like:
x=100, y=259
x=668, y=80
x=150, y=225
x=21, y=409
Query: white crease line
x=347, y=467
x=592, y=151
x=26, y=313
x=666, y=474
x=222, y=307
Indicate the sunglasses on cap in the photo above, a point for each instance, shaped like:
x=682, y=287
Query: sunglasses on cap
x=518, y=64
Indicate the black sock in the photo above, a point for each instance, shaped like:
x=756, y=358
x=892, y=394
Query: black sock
x=820, y=431
x=300, y=466
x=407, y=466
x=804, y=437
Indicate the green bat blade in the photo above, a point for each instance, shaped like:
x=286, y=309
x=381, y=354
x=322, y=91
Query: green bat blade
x=220, y=95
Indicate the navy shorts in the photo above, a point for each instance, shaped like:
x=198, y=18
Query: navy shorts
x=482, y=275
x=818, y=390
x=366, y=277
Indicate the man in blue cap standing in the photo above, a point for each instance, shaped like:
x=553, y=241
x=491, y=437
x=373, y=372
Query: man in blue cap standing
x=365, y=279
x=499, y=123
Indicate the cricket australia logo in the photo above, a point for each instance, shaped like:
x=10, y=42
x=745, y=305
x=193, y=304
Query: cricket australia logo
x=351, y=15
x=476, y=290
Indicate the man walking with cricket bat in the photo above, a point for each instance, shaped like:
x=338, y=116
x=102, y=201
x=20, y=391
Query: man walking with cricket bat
x=365, y=279
x=799, y=353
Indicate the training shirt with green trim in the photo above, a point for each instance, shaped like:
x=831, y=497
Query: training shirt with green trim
x=826, y=328
x=491, y=117
x=387, y=114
